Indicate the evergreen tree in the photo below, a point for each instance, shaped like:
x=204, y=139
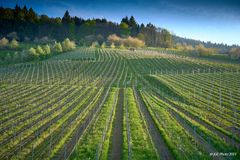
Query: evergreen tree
x=31, y=16
x=66, y=18
x=25, y=12
x=18, y=13
x=125, y=20
x=77, y=21
x=132, y=22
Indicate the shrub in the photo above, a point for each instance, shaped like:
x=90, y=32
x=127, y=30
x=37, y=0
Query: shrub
x=103, y=45
x=4, y=42
x=202, y=50
x=184, y=47
x=114, y=39
x=122, y=46
x=57, y=47
x=235, y=53
x=39, y=50
x=32, y=52
x=129, y=41
x=88, y=40
x=68, y=45
x=46, y=49
x=112, y=45
x=14, y=44
x=95, y=44
x=133, y=42
x=141, y=36
x=100, y=39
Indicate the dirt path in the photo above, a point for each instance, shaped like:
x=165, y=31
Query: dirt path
x=117, y=136
x=160, y=145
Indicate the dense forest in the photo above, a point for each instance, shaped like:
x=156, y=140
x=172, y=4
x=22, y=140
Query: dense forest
x=30, y=26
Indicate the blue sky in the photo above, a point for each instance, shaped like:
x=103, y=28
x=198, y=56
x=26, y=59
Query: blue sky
x=207, y=20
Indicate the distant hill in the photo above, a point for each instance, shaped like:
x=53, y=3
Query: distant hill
x=223, y=48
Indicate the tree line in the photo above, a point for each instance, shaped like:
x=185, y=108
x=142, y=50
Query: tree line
x=23, y=24
x=30, y=26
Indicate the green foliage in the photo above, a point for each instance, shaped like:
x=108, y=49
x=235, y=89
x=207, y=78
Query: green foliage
x=8, y=57
x=31, y=16
x=43, y=51
x=68, y=45
x=39, y=50
x=122, y=46
x=184, y=47
x=66, y=18
x=57, y=47
x=165, y=39
x=235, y=53
x=199, y=49
x=141, y=36
x=139, y=134
x=132, y=22
x=100, y=39
x=14, y=44
x=112, y=45
x=16, y=56
x=156, y=37
x=90, y=22
x=165, y=89
x=4, y=42
x=25, y=23
x=33, y=53
x=124, y=29
x=199, y=114
x=124, y=25
x=95, y=44
x=46, y=49
x=125, y=20
x=203, y=51
x=88, y=148
x=103, y=45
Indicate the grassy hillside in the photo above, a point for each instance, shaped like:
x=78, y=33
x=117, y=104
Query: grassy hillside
x=158, y=104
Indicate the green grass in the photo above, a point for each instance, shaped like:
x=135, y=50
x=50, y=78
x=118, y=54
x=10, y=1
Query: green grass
x=88, y=145
x=141, y=145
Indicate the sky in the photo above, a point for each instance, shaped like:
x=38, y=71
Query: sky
x=207, y=20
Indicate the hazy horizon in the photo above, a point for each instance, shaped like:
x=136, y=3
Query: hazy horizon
x=216, y=21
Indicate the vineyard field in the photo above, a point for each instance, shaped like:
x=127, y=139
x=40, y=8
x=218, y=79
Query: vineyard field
x=119, y=104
